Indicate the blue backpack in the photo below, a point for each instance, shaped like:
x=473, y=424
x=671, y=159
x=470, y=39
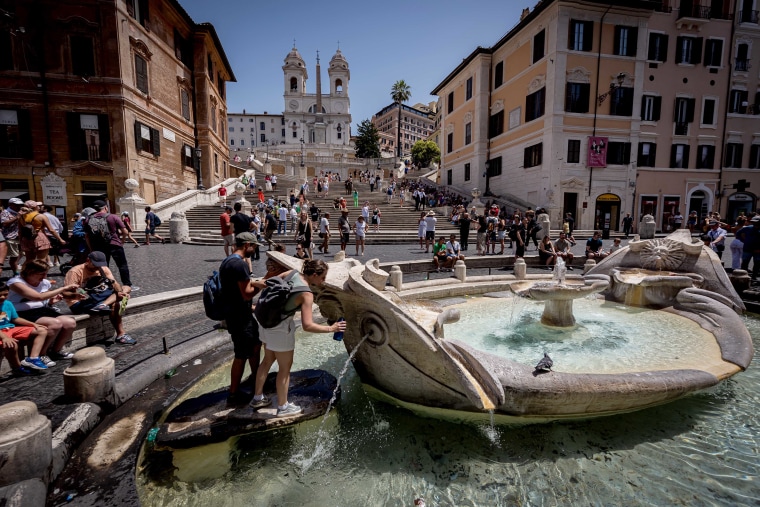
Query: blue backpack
x=213, y=301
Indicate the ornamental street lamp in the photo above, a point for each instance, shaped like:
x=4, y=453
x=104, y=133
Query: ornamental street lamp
x=302, y=152
x=198, y=154
x=613, y=86
x=487, y=176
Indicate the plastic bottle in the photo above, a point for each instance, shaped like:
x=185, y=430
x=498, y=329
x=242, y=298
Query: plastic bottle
x=338, y=335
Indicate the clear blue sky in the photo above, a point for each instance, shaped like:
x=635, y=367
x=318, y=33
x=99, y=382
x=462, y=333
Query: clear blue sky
x=419, y=41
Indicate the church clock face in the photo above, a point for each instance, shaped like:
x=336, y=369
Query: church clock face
x=339, y=107
x=294, y=105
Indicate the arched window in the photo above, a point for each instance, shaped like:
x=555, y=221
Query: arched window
x=293, y=84
x=339, y=85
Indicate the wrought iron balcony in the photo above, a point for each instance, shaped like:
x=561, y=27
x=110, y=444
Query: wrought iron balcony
x=682, y=128
x=694, y=11
x=749, y=16
x=742, y=65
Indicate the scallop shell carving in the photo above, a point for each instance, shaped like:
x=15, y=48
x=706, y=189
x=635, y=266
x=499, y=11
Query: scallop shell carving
x=662, y=254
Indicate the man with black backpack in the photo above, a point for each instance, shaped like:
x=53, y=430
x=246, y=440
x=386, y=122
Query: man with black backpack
x=237, y=291
x=151, y=222
x=103, y=233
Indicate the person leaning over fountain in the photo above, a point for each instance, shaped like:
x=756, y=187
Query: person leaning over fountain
x=279, y=341
x=594, y=248
x=562, y=249
x=237, y=293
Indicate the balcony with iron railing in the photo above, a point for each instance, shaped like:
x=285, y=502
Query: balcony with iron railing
x=694, y=11
x=749, y=17
x=682, y=128
x=742, y=65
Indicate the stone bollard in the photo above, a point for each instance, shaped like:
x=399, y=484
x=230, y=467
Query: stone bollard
x=590, y=263
x=521, y=269
x=26, y=448
x=179, y=229
x=740, y=279
x=397, y=277
x=91, y=376
x=647, y=227
x=340, y=256
x=460, y=271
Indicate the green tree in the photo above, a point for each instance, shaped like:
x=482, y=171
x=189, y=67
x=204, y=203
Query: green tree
x=367, y=143
x=400, y=93
x=424, y=152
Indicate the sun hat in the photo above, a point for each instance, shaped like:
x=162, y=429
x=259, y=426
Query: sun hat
x=32, y=204
x=431, y=213
x=15, y=200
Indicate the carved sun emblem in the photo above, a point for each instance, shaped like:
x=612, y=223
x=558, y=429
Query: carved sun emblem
x=662, y=254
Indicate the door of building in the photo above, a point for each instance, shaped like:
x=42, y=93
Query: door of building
x=607, y=213
x=569, y=205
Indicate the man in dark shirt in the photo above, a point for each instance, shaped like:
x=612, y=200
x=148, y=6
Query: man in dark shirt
x=237, y=293
x=114, y=246
x=240, y=221
x=594, y=248
x=270, y=225
x=750, y=236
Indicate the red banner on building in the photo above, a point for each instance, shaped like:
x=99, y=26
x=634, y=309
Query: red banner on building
x=597, y=151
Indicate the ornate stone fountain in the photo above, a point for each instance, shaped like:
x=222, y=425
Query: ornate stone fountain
x=406, y=357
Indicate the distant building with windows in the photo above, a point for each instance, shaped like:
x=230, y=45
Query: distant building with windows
x=247, y=131
x=93, y=93
x=417, y=124
x=600, y=108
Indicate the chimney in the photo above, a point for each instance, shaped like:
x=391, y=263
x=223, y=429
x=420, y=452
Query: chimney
x=525, y=12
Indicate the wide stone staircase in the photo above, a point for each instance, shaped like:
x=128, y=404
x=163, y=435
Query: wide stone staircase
x=397, y=225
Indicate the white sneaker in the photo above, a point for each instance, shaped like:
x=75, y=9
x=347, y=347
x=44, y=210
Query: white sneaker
x=290, y=409
x=48, y=362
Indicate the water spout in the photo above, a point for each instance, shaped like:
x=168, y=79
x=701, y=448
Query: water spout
x=560, y=270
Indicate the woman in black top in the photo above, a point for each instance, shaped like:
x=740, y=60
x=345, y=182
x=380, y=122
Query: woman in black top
x=303, y=234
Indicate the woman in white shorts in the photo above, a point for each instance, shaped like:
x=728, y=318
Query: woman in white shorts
x=279, y=341
x=422, y=230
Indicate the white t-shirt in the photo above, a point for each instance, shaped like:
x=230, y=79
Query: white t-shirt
x=365, y=212
x=293, y=213
x=16, y=298
x=323, y=225
x=452, y=248
x=430, y=221
x=361, y=228
x=283, y=212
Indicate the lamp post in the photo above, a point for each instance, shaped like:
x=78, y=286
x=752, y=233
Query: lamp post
x=198, y=154
x=302, y=152
x=601, y=98
x=487, y=175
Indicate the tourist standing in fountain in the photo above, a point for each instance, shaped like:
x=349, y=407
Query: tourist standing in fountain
x=237, y=293
x=594, y=248
x=279, y=341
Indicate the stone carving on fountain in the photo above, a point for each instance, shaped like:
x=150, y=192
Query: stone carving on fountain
x=407, y=356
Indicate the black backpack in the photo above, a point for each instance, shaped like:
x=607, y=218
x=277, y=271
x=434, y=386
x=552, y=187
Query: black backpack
x=98, y=225
x=270, y=308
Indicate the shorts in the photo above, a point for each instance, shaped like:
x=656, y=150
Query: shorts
x=229, y=240
x=500, y=235
x=245, y=336
x=150, y=230
x=344, y=237
x=13, y=248
x=85, y=305
x=430, y=235
x=39, y=242
x=280, y=338
x=18, y=332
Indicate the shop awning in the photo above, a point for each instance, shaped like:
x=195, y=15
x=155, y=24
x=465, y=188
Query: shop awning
x=92, y=194
x=7, y=194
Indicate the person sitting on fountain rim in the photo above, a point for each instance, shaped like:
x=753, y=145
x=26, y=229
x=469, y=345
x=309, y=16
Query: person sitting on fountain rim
x=440, y=260
x=546, y=251
x=453, y=250
x=594, y=248
x=562, y=249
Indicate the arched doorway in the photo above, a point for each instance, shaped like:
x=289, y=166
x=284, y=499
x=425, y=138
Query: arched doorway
x=607, y=213
x=698, y=202
x=738, y=203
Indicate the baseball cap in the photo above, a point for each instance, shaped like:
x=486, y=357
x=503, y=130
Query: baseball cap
x=98, y=259
x=246, y=237
x=15, y=200
x=99, y=205
x=32, y=204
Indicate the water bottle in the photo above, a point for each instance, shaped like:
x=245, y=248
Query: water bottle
x=338, y=335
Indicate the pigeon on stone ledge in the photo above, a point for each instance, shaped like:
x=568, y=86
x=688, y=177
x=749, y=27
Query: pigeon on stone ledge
x=545, y=364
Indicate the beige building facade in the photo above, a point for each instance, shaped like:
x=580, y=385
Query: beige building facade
x=653, y=89
x=417, y=124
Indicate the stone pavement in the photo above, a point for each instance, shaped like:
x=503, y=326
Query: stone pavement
x=159, y=268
